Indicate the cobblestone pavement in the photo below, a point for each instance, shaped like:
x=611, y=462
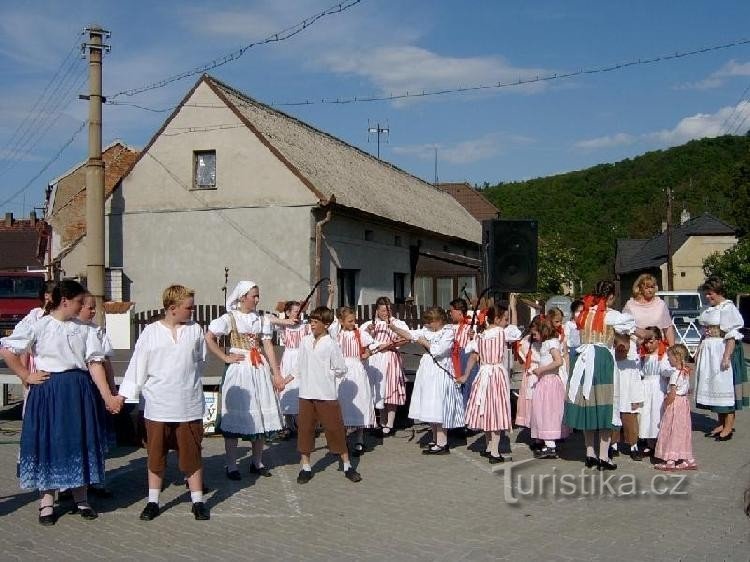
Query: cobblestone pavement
x=407, y=507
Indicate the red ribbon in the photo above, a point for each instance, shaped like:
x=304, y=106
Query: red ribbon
x=254, y=357
x=456, y=351
x=661, y=349
x=358, y=337
x=601, y=311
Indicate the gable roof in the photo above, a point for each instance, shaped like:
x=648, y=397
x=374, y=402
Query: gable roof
x=67, y=213
x=335, y=170
x=471, y=199
x=22, y=243
x=638, y=254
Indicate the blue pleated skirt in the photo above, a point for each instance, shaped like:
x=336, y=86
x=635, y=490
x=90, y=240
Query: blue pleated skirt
x=63, y=438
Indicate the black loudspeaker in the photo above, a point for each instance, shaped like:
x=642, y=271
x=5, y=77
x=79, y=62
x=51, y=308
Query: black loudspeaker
x=509, y=255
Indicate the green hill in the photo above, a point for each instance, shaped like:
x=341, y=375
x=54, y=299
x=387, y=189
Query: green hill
x=591, y=208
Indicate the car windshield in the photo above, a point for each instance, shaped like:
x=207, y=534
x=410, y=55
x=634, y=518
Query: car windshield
x=682, y=302
x=17, y=287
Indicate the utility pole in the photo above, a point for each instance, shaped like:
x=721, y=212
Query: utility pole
x=436, y=175
x=377, y=130
x=670, y=272
x=95, y=171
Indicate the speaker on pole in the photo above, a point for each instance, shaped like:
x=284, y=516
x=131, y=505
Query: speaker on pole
x=509, y=255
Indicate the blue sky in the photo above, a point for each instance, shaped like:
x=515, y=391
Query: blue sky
x=381, y=47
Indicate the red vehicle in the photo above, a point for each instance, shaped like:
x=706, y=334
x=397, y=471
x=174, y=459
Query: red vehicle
x=19, y=293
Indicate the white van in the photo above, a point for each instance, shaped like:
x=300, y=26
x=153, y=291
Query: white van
x=685, y=307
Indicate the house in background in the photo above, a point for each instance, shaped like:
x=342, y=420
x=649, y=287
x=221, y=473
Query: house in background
x=229, y=182
x=472, y=200
x=66, y=215
x=23, y=243
x=693, y=240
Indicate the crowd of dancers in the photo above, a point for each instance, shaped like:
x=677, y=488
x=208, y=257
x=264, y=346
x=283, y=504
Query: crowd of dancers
x=617, y=377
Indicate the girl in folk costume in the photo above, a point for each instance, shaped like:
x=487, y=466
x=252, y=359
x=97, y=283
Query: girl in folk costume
x=656, y=373
x=557, y=319
x=63, y=439
x=436, y=398
x=459, y=356
x=548, y=397
x=675, y=445
x=720, y=362
x=591, y=391
x=290, y=335
x=249, y=406
x=488, y=409
x=354, y=391
x=630, y=395
x=527, y=351
x=385, y=367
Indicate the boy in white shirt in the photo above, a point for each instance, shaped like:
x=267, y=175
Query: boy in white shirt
x=166, y=367
x=319, y=363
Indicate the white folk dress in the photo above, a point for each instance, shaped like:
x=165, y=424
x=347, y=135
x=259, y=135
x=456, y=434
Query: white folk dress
x=353, y=389
x=436, y=397
x=631, y=385
x=385, y=368
x=291, y=338
x=656, y=374
x=249, y=405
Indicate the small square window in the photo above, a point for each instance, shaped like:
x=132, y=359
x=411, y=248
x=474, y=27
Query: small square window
x=204, y=169
x=369, y=235
x=397, y=240
x=682, y=274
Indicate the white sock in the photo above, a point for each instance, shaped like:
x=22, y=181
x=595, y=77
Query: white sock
x=614, y=446
x=634, y=447
x=347, y=466
x=196, y=497
x=549, y=444
x=306, y=468
x=153, y=495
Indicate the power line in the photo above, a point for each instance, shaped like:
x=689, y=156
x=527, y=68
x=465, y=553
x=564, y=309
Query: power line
x=498, y=85
x=734, y=115
x=47, y=165
x=277, y=37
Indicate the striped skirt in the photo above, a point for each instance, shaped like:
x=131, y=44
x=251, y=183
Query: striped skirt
x=523, y=405
x=596, y=412
x=387, y=381
x=63, y=437
x=488, y=408
x=675, y=435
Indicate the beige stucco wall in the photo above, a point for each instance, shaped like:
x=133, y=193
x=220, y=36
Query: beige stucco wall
x=75, y=262
x=687, y=261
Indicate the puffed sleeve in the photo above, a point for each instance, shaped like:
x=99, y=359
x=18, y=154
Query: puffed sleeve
x=442, y=345
x=334, y=328
x=472, y=346
x=220, y=326
x=665, y=369
x=512, y=333
x=106, y=342
x=94, y=345
x=367, y=340
x=553, y=343
x=416, y=334
x=21, y=340
x=622, y=323
x=266, y=329
x=731, y=321
x=399, y=324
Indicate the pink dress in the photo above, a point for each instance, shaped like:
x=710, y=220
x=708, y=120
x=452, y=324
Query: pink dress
x=675, y=434
x=488, y=408
x=548, y=397
x=528, y=353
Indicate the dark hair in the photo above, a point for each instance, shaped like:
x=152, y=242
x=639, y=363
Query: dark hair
x=460, y=304
x=434, y=313
x=494, y=312
x=47, y=288
x=715, y=285
x=68, y=289
x=654, y=330
x=546, y=330
x=604, y=289
x=575, y=305
x=383, y=301
x=288, y=305
x=322, y=314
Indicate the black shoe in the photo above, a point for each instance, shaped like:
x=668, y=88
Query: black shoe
x=592, y=462
x=352, y=474
x=304, y=476
x=261, y=471
x=233, y=474
x=428, y=445
x=150, y=511
x=725, y=437
x=536, y=446
x=485, y=454
x=47, y=520
x=636, y=455
x=613, y=453
x=387, y=431
x=358, y=449
x=85, y=512
x=546, y=453
x=606, y=465
x=496, y=460
x=437, y=450
x=200, y=511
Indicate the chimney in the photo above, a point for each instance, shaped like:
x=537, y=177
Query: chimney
x=32, y=218
x=684, y=216
x=8, y=219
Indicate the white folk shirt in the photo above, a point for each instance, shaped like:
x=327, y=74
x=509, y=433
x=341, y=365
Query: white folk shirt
x=167, y=372
x=56, y=345
x=318, y=365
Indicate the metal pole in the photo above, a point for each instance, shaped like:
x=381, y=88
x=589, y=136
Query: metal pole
x=670, y=273
x=95, y=174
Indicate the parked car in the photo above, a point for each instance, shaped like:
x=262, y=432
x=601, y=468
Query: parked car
x=19, y=293
x=685, y=307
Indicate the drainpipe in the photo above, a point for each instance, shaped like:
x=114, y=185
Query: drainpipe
x=319, y=240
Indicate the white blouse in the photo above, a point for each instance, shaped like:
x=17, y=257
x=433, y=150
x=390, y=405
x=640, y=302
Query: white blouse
x=167, y=372
x=681, y=382
x=56, y=345
x=247, y=323
x=441, y=341
x=726, y=316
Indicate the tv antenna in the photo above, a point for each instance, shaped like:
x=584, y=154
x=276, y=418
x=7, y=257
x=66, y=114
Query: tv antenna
x=377, y=130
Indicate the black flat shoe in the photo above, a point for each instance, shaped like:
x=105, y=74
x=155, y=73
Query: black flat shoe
x=352, y=475
x=47, y=520
x=85, y=512
x=200, y=512
x=261, y=471
x=606, y=465
x=387, y=431
x=496, y=460
x=233, y=474
x=437, y=450
x=636, y=455
x=546, y=453
x=613, y=453
x=485, y=454
x=304, y=476
x=592, y=462
x=724, y=438
x=150, y=512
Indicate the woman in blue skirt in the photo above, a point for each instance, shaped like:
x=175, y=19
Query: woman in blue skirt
x=63, y=438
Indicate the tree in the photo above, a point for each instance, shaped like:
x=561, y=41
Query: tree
x=732, y=267
x=556, y=268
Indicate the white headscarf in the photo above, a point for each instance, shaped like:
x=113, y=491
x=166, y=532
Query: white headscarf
x=242, y=288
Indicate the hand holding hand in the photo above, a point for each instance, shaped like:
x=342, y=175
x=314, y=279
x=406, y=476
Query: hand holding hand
x=114, y=404
x=37, y=377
